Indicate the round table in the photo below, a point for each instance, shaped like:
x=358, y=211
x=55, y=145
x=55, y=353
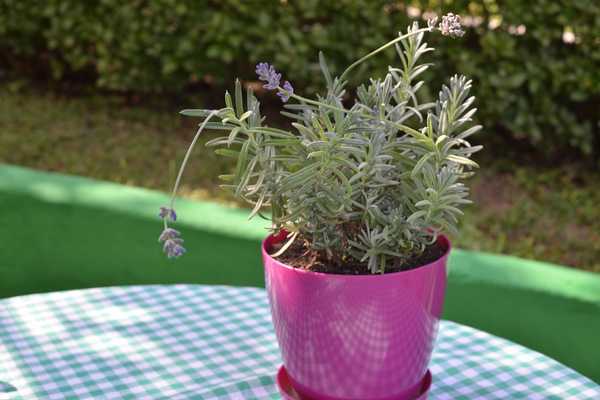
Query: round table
x=216, y=342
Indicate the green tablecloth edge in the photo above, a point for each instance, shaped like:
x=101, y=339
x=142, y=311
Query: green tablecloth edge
x=64, y=232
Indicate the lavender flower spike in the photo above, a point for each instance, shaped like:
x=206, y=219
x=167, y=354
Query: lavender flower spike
x=450, y=26
x=287, y=91
x=166, y=212
x=432, y=22
x=268, y=74
x=172, y=243
x=173, y=248
x=168, y=233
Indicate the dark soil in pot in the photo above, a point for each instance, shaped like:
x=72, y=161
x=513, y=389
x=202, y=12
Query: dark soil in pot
x=299, y=255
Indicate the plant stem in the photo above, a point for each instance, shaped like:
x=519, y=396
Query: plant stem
x=316, y=103
x=187, y=156
x=380, y=49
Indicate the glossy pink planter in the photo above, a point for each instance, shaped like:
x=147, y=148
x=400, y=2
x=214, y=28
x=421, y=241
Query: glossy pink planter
x=366, y=337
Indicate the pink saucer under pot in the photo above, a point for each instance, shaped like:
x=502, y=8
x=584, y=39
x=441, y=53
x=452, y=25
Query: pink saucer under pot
x=288, y=392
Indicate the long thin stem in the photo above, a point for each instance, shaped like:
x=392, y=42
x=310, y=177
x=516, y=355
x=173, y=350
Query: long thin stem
x=315, y=103
x=380, y=49
x=187, y=156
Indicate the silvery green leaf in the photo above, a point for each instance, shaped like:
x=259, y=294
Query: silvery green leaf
x=227, y=153
x=239, y=99
x=415, y=216
x=420, y=164
x=228, y=101
x=325, y=70
x=233, y=135
x=423, y=203
x=220, y=141
x=227, y=178
x=462, y=160
x=245, y=115
x=196, y=113
x=469, y=132
x=219, y=126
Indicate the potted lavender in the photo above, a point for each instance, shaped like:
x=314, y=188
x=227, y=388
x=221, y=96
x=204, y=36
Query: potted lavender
x=360, y=198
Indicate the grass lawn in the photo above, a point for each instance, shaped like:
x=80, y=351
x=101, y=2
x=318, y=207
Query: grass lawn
x=543, y=213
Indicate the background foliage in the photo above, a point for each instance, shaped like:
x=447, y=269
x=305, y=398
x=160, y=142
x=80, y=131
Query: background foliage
x=535, y=64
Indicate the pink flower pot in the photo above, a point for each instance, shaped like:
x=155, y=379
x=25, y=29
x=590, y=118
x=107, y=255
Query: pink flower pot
x=366, y=337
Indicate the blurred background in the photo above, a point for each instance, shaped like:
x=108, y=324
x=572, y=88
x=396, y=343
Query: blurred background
x=94, y=89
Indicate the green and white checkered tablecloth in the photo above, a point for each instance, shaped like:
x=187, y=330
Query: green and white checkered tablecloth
x=215, y=342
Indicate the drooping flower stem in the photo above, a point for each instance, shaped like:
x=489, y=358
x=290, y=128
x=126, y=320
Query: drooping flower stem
x=380, y=49
x=187, y=156
x=170, y=238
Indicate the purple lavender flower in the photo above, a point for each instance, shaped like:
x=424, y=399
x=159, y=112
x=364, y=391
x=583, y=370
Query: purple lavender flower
x=450, y=26
x=173, y=248
x=268, y=74
x=172, y=243
x=263, y=70
x=432, y=22
x=166, y=212
x=168, y=233
x=287, y=91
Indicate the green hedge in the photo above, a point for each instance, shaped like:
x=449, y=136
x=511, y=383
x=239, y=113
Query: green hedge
x=531, y=84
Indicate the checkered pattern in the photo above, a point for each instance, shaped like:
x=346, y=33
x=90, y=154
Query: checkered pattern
x=214, y=342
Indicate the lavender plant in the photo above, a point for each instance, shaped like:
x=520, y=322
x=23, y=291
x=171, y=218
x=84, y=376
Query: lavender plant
x=372, y=182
